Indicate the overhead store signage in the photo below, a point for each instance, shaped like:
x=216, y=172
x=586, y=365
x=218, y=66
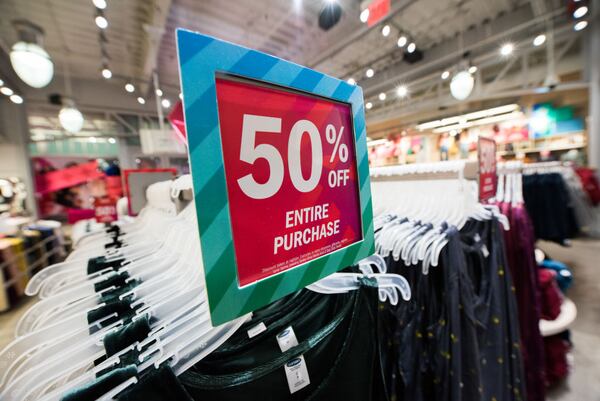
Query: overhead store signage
x=378, y=10
x=53, y=181
x=278, y=157
x=486, y=154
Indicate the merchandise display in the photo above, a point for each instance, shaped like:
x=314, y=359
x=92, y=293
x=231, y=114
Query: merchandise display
x=308, y=200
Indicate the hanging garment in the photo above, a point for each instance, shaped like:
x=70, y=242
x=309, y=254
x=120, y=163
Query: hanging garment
x=435, y=332
x=555, y=346
x=495, y=310
x=590, y=183
x=341, y=358
x=549, y=204
x=586, y=216
x=520, y=246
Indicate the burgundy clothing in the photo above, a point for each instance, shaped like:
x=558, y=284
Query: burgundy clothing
x=551, y=295
x=590, y=183
x=557, y=368
x=520, y=246
x=555, y=346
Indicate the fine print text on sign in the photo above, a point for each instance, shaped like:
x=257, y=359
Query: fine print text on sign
x=290, y=167
x=487, y=168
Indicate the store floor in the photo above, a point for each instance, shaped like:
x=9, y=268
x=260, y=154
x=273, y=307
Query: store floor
x=583, y=384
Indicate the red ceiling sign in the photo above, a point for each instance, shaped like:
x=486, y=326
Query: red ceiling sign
x=378, y=10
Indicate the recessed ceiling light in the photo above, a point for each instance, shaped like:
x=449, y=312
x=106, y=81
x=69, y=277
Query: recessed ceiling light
x=369, y=105
x=141, y=100
x=351, y=81
x=402, y=41
x=159, y=92
x=507, y=49
x=385, y=31
x=5, y=90
x=166, y=103
x=402, y=91
x=445, y=74
x=112, y=140
x=382, y=96
x=539, y=40
x=369, y=73
x=129, y=87
x=411, y=47
x=580, y=12
x=472, y=69
x=180, y=95
x=101, y=22
x=106, y=73
x=16, y=99
x=101, y=4
x=364, y=15
x=580, y=25
x=1, y=82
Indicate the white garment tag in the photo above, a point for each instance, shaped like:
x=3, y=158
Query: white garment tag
x=256, y=330
x=484, y=251
x=296, y=374
x=287, y=339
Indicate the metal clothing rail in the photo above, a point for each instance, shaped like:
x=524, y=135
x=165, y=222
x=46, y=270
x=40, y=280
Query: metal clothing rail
x=427, y=171
x=539, y=167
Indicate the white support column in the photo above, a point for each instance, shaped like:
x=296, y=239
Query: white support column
x=593, y=71
x=14, y=148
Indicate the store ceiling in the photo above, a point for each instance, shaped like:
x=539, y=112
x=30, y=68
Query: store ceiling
x=140, y=39
x=285, y=28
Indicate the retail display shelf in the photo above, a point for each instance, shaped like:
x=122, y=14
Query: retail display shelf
x=568, y=314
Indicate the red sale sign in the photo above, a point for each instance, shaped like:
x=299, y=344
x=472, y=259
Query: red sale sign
x=486, y=152
x=105, y=210
x=378, y=10
x=290, y=167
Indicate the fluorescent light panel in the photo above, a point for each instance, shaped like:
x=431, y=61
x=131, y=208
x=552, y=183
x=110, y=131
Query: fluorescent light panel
x=467, y=117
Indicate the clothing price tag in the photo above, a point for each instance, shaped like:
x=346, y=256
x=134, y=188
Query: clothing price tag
x=295, y=370
x=287, y=339
x=296, y=374
x=484, y=249
x=256, y=330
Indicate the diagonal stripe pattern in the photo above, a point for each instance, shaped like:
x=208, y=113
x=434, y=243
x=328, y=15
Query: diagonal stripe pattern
x=200, y=58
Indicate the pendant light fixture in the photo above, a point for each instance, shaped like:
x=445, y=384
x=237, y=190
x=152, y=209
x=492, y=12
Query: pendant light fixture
x=462, y=85
x=70, y=117
x=28, y=58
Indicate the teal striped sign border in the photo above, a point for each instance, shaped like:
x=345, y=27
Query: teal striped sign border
x=200, y=58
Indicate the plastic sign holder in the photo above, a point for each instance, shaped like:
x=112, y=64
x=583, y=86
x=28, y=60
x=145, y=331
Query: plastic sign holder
x=488, y=180
x=279, y=164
